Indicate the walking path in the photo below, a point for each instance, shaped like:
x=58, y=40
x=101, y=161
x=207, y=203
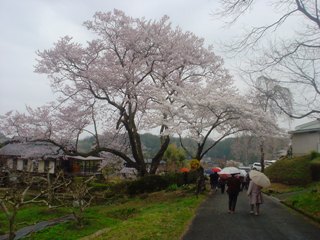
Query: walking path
x=37, y=227
x=275, y=222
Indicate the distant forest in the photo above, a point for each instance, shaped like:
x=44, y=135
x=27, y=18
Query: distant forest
x=244, y=149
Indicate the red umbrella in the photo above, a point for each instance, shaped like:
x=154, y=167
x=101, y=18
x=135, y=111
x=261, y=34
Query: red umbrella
x=216, y=169
x=184, y=169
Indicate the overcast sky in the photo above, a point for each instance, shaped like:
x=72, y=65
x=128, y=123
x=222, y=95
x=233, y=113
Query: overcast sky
x=31, y=25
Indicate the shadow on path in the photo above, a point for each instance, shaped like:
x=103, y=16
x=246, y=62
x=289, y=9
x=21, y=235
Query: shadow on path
x=37, y=227
x=275, y=222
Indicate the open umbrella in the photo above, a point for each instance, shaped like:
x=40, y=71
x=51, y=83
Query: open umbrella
x=216, y=169
x=228, y=171
x=184, y=169
x=243, y=173
x=259, y=178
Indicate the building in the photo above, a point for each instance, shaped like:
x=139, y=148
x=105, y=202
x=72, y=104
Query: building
x=31, y=157
x=44, y=157
x=84, y=166
x=306, y=138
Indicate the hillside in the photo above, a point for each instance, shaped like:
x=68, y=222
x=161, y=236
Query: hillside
x=244, y=149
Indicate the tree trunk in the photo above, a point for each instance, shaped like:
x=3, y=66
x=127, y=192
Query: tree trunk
x=11, y=226
x=262, y=156
x=157, y=158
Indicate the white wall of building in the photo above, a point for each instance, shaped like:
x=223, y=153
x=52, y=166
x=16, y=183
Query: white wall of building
x=304, y=143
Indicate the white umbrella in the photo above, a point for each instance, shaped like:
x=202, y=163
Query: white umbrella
x=229, y=171
x=259, y=178
x=243, y=173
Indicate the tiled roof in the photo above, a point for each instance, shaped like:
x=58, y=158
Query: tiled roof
x=89, y=158
x=31, y=149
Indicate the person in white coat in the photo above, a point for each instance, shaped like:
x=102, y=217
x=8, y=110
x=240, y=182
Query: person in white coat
x=255, y=198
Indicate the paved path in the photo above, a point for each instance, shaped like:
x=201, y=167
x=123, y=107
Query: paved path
x=276, y=222
x=37, y=227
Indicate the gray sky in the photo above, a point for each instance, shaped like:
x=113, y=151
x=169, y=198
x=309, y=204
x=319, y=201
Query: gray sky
x=31, y=25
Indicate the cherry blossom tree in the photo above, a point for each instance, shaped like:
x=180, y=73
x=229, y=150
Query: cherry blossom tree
x=216, y=110
x=124, y=81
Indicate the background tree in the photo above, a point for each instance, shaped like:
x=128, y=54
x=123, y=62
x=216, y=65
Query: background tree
x=215, y=110
x=262, y=95
x=174, y=157
x=245, y=148
x=282, y=50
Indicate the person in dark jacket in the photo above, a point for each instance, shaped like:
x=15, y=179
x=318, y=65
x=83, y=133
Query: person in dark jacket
x=233, y=190
x=214, y=177
x=222, y=184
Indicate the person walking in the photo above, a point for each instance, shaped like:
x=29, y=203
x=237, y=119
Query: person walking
x=255, y=198
x=214, y=177
x=233, y=184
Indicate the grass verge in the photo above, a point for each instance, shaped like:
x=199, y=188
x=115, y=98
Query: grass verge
x=303, y=199
x=160, y=215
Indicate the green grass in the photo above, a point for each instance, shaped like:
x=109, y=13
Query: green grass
x=279, y=188
x=160, y=220
x=160, y=215
x=292, y=183
x=31, y=214
x=307, y=201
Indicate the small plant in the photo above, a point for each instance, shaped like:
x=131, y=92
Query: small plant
x=173, y=187
x=81, y=198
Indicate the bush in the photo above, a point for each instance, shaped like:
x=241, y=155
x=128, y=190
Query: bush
x=181, y=178
x=147, y=184
x=293, y=171
x=314, y=155
x=174, y=178
x=315, y=169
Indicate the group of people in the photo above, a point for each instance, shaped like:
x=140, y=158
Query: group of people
x=235, y=184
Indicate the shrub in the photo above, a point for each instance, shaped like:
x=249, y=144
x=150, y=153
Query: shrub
x=194, y=164
x=192, y=176
x=315, y=169
x=172, y=187
x=293, y=171
x=147, y=184
x=175, y=178
x=181, y=178
x=314, y=155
